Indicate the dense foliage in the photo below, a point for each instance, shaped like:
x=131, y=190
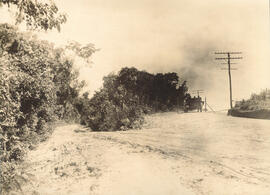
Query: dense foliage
x=160, y=92
x=126, y=96
x=37, y=14
x=38, y=85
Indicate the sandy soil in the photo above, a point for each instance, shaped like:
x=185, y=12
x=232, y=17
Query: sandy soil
x=193, y=153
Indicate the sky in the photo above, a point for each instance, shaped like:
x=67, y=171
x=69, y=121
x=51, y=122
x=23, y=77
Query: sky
x=173, y=36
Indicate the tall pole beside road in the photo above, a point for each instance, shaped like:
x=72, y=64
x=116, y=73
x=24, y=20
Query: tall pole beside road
x=228, y=59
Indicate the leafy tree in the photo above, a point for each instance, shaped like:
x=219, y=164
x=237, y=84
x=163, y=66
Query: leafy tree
x=83, y=51
x=37, y=14
x=37, y=86
x=125, y=96
x=112, y=108
x=160, y=91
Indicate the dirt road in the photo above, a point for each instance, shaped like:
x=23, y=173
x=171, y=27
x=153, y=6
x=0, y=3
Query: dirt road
x=193, y=153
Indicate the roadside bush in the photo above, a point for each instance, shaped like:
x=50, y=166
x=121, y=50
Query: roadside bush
x=112, y=108
x=127, y=96
x=8, y=181
x=256, y=102
x=27, y=91
x=38, y=85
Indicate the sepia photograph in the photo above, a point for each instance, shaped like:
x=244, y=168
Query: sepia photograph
x=124, y=97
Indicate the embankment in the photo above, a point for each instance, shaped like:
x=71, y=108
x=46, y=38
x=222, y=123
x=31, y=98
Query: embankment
x=258, y=114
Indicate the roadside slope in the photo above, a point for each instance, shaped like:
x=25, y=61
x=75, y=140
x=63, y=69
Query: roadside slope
x=73, y=161
x=193, y=153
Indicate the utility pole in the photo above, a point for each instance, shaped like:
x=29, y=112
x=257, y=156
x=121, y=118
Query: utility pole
x=229, y=58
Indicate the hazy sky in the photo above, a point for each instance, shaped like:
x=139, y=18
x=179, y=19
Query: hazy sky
x=174, y=36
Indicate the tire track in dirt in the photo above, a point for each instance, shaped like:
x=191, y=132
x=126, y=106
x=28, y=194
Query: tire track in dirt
x=78, y=163
x=172, y=154
x=211, y=167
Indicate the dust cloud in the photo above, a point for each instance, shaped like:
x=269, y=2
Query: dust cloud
x=174, y=36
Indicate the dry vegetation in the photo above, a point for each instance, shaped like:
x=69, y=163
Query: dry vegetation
x=258, y=106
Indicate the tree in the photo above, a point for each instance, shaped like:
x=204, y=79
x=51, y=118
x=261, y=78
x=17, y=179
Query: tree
x=125, y=96
x=36, y=14
x=37, y=84
x=83, y=51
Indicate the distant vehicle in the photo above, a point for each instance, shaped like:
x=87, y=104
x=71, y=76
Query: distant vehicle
x=194, y=103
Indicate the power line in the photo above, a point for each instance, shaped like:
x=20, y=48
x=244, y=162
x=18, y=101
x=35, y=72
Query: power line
x=231, y=52
x=210, y=107
x=227, y=63
x=228, y=59
x=198, y=91
x=228, y=69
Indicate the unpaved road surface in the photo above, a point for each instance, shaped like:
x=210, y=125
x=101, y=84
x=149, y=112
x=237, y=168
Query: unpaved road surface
x=173, y=154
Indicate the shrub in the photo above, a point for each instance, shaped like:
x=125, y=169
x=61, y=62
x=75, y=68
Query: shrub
x=38, y=85
x=112, y=108
x=127, y=96
x=256, y=102
x=8, y=179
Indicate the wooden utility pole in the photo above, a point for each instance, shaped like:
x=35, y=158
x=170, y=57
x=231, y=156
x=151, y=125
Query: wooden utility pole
x=229, y=58
x=230, y=78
